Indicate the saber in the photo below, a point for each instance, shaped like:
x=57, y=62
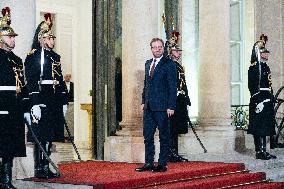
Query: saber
x=71, y=140
x=41, y=148
x=192, y=128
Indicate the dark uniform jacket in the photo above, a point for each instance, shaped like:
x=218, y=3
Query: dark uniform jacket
x=259, y=83
x=49, y=91
x=159, y=92
x=180, y=119
x=12, y=128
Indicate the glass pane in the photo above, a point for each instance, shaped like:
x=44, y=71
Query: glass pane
x=235, y=21
x=235, y=63
x=235, y=94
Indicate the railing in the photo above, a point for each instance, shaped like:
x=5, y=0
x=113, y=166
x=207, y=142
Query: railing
x=279, y=115
x=240, y=115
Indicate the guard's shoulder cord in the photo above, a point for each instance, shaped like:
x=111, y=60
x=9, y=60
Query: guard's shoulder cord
x=55, y=64
x=31, y=52
x=18, y=75
x=252, y=64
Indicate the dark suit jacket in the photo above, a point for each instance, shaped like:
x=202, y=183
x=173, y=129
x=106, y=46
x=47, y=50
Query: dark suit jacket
x=70, y=94
x=160, y=92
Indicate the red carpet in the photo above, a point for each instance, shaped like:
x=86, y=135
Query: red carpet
x=193, y=175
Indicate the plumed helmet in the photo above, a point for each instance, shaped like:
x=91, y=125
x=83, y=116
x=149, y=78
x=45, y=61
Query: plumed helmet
x=172, y=36
x=44, y=29
x=5, y=21
x=172, y=42
x=259, y=47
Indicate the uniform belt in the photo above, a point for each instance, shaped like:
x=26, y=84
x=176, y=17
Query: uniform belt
x=261, y=89
x=4, y=112
x=49, y=82
x=7, y=88
x=264, y=89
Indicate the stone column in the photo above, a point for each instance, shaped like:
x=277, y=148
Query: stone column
x=136, y=36
x=214, y=72
x=137, y=32
x=269, y=21
x=23, y=23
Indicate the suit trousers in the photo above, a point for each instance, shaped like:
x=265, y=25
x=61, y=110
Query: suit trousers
x=153, y=120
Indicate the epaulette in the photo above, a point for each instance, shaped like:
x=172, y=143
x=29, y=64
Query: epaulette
x=32, y=52
x=253, y=64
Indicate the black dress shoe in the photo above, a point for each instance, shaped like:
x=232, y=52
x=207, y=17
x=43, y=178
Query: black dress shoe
x=264, y=156
x=41, y=173
x=178, y=158
x=271, y=156
x=145, y=167
x=174, y=157
x=160, y=168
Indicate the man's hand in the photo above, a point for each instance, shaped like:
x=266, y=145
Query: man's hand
x=142, y=107
x=170, y=112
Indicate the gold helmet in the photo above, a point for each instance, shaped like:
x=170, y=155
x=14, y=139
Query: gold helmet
x=259, y=47
x=45, y=27
x=5, y=21
x=175, y=47
x=172, y=43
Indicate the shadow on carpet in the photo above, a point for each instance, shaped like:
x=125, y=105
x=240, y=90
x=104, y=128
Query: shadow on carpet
x=203, y=175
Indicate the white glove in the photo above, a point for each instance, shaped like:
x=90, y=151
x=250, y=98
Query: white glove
x=188, y=108
x=27, y=117
x=36, y=112
x=260, y=106
x=64, y=109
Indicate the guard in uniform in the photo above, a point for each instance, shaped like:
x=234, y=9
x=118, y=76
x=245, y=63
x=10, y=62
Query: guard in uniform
x=47, y=95
x=12, y=128
x=261, y=112
x=179, y=121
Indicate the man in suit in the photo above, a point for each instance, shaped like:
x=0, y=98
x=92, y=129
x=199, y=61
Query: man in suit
x=69, y=87
x=158, y=104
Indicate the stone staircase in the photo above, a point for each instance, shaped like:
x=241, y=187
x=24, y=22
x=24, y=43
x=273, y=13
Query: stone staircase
x=274, y=169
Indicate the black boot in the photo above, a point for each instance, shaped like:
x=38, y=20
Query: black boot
x=260, y=142
x=175, y=157
x=274, y=143
x=38, y=163
x=6, y=173
x=173, y=153
x=46, y=162
x=173, y=147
